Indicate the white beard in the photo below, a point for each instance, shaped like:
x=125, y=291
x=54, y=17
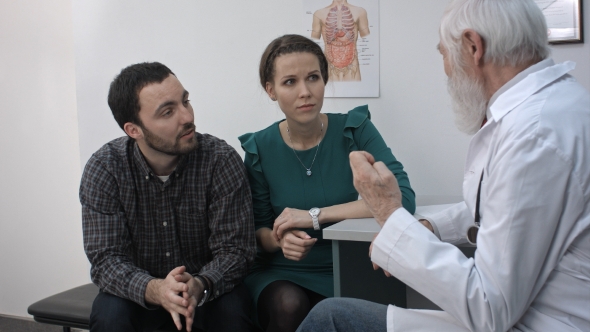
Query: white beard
x=468, y=100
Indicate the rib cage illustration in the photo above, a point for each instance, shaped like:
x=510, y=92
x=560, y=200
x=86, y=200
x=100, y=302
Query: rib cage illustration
x=340, y=33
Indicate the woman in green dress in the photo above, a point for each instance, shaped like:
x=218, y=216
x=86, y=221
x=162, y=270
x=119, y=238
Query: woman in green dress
x=301, y=181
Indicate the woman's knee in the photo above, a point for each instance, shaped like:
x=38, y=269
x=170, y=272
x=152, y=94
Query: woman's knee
x=291, y=300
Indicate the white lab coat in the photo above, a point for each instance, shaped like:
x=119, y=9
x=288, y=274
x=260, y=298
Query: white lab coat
x=531, y=270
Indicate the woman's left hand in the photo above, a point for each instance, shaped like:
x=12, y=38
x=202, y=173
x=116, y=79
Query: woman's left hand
x=291, y=218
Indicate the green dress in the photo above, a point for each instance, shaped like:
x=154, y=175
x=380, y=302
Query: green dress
x=278, y=180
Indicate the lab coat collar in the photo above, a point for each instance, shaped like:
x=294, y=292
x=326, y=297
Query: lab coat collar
x=524, y=85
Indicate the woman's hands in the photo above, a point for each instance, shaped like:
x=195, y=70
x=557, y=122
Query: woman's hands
x=289, y=219
x=296, y=244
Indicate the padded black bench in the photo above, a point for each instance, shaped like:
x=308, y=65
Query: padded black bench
x=68, y=309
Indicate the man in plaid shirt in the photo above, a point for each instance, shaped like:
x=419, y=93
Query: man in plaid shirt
x=167, y=215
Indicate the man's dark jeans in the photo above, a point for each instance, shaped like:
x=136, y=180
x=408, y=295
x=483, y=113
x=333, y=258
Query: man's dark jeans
x=230, y=312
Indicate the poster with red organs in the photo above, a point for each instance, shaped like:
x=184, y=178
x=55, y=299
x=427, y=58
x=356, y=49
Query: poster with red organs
x=348, y=32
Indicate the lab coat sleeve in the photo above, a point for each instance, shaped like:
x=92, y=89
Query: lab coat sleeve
x=451, y=224
x=521, y=209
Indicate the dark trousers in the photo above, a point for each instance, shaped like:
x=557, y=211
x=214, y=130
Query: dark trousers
x=230, y=312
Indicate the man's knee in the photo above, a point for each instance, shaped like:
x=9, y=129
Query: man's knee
x=323, y=315
x=230, y=312
x=345, y=314
x=112, y=313
x=238, y=300
x=331, y=306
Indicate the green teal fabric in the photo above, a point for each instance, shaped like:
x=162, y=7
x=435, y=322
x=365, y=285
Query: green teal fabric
x=278, y=180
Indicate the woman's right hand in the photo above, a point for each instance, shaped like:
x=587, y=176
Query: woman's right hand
x=291, y=218
x=296, y=244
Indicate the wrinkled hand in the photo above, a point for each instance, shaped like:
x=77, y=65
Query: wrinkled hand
x=376, y=185
x=289, y=219
x=165, y=293
x=296, y=244
x=192, y=296
x=375, y=266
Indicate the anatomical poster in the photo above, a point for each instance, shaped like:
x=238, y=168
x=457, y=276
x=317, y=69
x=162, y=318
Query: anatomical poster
x=348, y=32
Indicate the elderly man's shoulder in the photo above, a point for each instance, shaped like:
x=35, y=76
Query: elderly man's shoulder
x=553, y=121
x=567, y=99
x=562, y=107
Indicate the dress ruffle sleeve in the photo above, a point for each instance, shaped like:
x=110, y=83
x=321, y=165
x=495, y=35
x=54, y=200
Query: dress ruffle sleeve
x=250, y=147
x=356, y=117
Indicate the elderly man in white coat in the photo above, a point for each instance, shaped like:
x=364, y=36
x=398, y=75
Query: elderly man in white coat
x=526, y=188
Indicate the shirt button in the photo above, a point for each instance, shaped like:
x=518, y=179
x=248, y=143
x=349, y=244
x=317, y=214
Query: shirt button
x=217, y=293
x=167, y=254
x=147, y=177
x=176, y=174
x=165, y=223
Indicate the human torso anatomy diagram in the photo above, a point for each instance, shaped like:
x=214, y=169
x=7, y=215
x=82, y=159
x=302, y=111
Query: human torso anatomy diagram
x=340, y=25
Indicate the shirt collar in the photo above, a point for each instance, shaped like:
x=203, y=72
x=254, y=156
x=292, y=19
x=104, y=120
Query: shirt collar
x=524, y=85
x=147, y=170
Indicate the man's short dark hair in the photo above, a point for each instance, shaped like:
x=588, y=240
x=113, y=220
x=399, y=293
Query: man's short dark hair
x=124, y=91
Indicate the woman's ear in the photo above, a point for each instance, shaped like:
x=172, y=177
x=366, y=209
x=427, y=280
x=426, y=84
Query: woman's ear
x=270, y=91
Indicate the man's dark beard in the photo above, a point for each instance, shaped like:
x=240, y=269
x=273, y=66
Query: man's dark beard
x=157, y=143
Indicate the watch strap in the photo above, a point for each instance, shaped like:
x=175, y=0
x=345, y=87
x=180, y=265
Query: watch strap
x=314, y=218
x=204, y=298
x=206, y=291
x=316, y=223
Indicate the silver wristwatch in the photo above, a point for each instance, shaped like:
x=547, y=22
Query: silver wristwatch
x=204, y=298
x=206, y=292
x=314, y=213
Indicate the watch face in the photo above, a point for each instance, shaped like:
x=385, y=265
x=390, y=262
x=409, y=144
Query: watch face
x=315, y=211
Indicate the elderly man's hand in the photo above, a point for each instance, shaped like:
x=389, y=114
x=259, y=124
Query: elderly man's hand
x=376, y=185
x=375, y=266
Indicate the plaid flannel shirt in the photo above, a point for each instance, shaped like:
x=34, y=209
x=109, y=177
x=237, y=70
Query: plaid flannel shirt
x=137, y=227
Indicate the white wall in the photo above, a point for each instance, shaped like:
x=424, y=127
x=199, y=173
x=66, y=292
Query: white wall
x=579, y=53
x=214, y=49
x=41, y=249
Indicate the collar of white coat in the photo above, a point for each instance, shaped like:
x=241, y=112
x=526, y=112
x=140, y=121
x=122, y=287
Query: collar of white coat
x=524, y=85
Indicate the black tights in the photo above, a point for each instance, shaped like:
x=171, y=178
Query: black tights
x=283, y=305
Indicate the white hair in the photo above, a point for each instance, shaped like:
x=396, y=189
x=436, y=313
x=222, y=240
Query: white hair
x=513, y=31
